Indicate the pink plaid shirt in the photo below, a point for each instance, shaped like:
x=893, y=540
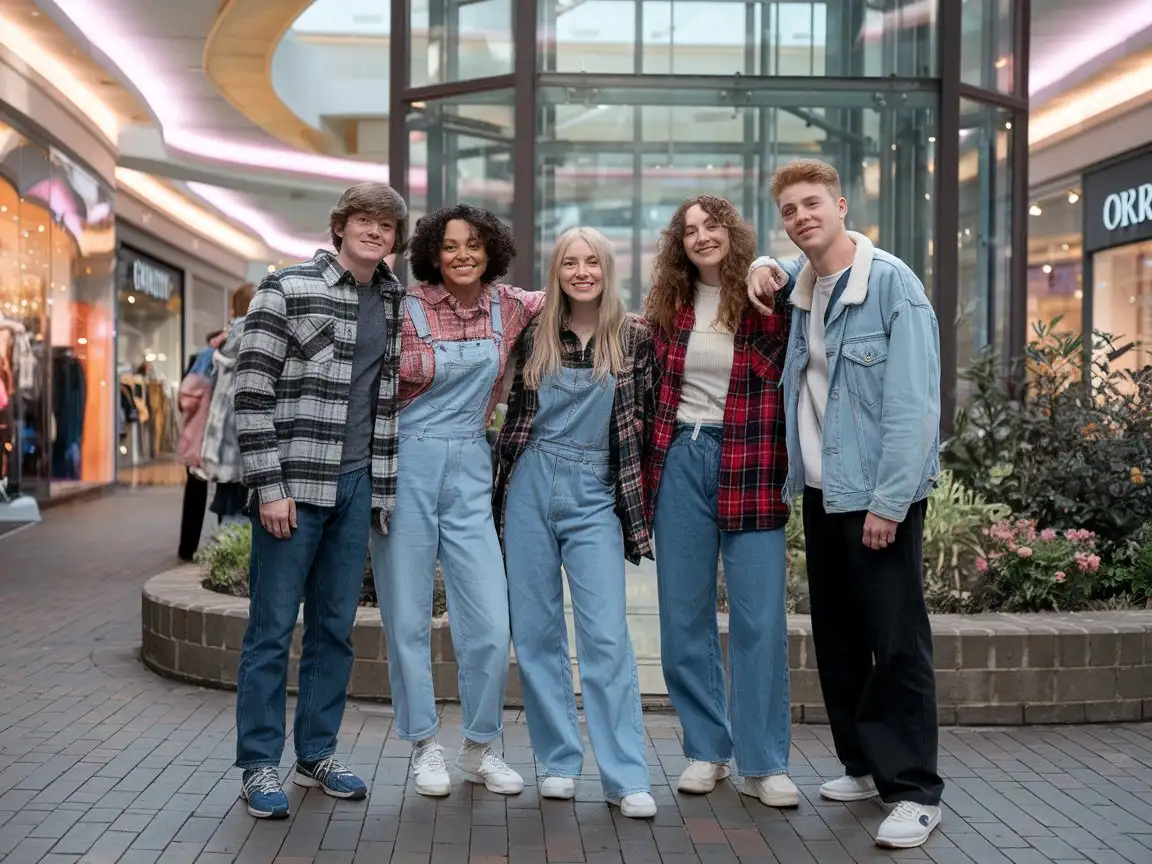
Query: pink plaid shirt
x=449, y=321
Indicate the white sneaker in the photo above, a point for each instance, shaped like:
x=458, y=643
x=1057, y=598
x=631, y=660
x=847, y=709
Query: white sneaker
x=558, y=787
x=908, y=825
x=776, y=790
x=638, y=805
x=482, y=765
x=700, y=778
x=849, y=789
x=429, y=771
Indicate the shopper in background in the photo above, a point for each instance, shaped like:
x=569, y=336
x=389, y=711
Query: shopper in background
x=862, y=392
x=715, y=471
x=220, y=460
x=316, y=385
x=195, y=396
x=570, y=500
x=460, y=326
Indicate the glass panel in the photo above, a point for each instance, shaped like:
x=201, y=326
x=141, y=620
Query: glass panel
x=751, y=37
x=986, y=56
x=624, y=168
x=460, y=151
x=150, y=354
x=1122, y=302
x=457, y=40
x=1055, y=277
x=985, y=231
x=83, y=328
x=25, y=274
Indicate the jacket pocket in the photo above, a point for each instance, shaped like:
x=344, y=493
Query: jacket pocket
x=315, y=337
x=766, y=357
x=865, y=369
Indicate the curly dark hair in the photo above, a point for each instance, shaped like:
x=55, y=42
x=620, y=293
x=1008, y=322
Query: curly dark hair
x=674, y=276
x=428, y=237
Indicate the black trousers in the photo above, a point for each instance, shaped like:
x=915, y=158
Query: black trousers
x=192, y=516
x=874, y=650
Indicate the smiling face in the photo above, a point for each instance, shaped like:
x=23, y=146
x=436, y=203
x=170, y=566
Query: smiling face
x=813, y=218
x=366, y=240
x=463, y=258
x=706, y=241
x=581, y=275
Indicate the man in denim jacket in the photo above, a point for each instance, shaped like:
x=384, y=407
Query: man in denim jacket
x=862, y=404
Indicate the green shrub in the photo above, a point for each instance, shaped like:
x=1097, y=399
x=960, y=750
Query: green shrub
x=1033, y=570
x=224, y=560
x=954, y=541
x=1035, y=438
x=1129, y=572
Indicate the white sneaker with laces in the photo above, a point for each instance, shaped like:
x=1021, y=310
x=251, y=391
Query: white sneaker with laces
x=558, y=787
x=429, y=770
x=638, y=805
x=908, y=825
x=848, y=788
x=775, y=790
x=700, y=778
x=480, y=764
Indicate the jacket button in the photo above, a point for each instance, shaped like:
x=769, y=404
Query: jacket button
x=868, y=358
x=835, y=394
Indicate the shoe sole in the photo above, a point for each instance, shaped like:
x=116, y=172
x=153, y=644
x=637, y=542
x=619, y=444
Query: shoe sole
x=429, y=791
x=568, y=795
x=908, y=844
x=263, y=814
x=782, y=801
x=848, y=797
x=480, y=781
x=631, y=814
x=725, y=774
x=311, y=783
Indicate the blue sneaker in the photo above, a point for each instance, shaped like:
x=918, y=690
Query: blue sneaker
x=265, y=796
x=331, y=776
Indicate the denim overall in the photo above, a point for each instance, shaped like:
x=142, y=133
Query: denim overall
x=561, y=509
x=444, y=512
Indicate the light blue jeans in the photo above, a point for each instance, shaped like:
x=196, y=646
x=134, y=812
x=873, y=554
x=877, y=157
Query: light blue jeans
x=561, y=509
x=688, y=544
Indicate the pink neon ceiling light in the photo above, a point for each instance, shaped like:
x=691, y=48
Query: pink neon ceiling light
x=101, y=25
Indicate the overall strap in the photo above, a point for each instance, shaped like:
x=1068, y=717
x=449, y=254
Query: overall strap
x=419, y=318
x=495, y=317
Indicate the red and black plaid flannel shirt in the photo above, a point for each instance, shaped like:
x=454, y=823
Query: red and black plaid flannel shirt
x=754, y=454
x=632, y=412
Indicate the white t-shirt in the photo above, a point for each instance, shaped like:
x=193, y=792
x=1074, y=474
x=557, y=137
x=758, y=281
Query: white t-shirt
x=814, y=384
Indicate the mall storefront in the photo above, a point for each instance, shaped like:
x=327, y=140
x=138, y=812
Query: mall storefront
x=102, y=301
x=1090, y=255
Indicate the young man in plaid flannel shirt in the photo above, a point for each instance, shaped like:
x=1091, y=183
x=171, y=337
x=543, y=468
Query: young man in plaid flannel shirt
x=316, y=401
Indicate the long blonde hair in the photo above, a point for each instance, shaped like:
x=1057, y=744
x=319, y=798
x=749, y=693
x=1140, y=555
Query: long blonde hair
x=609, y=348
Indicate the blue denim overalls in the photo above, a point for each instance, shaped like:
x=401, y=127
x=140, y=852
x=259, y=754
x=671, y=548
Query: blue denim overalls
x=444, y=512
x=561, y=510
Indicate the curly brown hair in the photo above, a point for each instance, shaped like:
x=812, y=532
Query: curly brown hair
x=674, y=276
x=428, y=237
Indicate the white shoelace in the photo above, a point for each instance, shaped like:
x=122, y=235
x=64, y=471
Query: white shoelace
x=329, y=766
x=428, y=758
x=906, y=811
x=491, y=763
x=266, y=780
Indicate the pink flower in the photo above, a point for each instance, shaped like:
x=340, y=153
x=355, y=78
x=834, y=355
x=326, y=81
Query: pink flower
x=982, y=565
x=1059, y=577
x=1024, y=551
x=1087, y=562
x=1048, y=534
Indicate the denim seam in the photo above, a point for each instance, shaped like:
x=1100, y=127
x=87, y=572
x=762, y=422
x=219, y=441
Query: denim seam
x=624, y=793
x=250, y=764
x=430, y=732
x=306, y=714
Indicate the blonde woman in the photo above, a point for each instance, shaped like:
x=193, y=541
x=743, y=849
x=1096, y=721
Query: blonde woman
x=576, y=423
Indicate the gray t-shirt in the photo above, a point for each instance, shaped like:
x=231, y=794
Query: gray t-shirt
x=371, y=346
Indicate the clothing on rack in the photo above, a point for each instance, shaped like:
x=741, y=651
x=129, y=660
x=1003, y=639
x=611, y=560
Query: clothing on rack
x=69, y=398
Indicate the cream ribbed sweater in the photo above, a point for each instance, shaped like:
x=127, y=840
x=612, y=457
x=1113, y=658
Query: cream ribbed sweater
x=707, y=363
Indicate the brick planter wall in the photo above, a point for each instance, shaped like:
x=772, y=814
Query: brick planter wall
x=990, y=669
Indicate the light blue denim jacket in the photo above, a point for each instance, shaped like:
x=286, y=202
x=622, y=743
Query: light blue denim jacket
x=882, y=422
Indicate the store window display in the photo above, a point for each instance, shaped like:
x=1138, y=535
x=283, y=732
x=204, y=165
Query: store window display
x=149, y=341
x=57, y=238
x=1055, y=249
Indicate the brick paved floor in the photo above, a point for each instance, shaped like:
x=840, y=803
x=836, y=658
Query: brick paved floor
x=102, y=761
